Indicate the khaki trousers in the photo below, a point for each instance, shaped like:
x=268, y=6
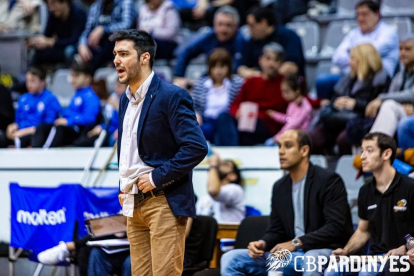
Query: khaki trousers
x=157, y=239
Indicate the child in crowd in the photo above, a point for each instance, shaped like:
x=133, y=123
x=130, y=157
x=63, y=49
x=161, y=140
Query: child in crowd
x=79, y=117
x=38, y=106
x=299, y=112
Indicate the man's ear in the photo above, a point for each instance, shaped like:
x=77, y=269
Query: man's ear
x=145, y=58
x=305, y=151
x=386, y=155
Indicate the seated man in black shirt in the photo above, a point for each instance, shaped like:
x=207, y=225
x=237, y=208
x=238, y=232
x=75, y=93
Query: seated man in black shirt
x=65, y=24
x=385, y=204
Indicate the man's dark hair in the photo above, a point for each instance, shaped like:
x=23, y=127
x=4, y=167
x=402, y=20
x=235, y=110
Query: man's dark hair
x=236, y=171
x=260, y=13
x=83, y=67
x=304, y=140
x=384, y=142
x=38, y=72
x=372, y=5
x=144, y=42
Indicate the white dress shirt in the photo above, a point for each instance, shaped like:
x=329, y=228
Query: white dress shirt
x=131, y=166
x=217, y=98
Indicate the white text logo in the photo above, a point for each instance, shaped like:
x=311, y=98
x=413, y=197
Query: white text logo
x=42, y=217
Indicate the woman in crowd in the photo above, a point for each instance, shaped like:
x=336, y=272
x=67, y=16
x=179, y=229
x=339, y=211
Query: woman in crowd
x=344, y=116
x=161, y=19
x=214, y=93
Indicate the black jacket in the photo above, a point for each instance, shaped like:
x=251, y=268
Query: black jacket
x=327, y=215
x=362, y=91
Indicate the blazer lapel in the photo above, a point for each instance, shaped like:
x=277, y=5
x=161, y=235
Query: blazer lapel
x=308, y=185
x=149, y=97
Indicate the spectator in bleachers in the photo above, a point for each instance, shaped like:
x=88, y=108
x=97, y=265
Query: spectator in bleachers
x=263, y=30
x=224, y=35
x=396, y=106
x=104, y=18
x=263, y=90
x=225, y=199
x=203, y=10
x=20, y=15
x=212, y=95
x=162, y=21
x=353, y=92
x=385, y=204
x=6, y=114
x=371, y=29
x=310, y=214
x=38, y=106
x=285, y=10
x=58, y=44
x=78, y=118
x=299, y=112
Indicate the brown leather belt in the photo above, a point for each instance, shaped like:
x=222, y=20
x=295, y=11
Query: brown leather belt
x=142, y=196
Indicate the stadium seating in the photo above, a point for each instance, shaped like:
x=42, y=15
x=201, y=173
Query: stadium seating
x=401, y=24
x=61, y=86
x=397, y=8
x=337, y=30
x=309, y=34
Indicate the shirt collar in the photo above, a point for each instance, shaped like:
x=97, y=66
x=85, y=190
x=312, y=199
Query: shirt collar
x=83, y=89
x=209, y=83
x=142, y=90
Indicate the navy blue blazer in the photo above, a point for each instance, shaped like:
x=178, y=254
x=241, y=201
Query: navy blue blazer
x=169, y=140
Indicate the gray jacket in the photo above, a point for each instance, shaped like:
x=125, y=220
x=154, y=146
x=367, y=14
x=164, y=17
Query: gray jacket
x=404, y=96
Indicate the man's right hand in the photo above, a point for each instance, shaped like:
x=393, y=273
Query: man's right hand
x=256, y=249
x=121, y=198
x=372, y=108
x=84, y=53
x=340, y=252
x=11, y=131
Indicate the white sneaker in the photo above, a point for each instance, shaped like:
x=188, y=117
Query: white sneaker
x=54, y=255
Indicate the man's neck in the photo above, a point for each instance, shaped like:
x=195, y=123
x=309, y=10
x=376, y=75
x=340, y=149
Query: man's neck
x=65, y=15
x=269, y=31
x=409, y=68
x=384, y=176
x=371, y=30
x=141, y=79
x=299, y=171
x=268, y=77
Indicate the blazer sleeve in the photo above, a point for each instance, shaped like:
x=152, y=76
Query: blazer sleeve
x=188, y=135
x=275, y=233
x=335, y=209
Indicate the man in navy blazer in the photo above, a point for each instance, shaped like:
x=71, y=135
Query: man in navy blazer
x=159, y=144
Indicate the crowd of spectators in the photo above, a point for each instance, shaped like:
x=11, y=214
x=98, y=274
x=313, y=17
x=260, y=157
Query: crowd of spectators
x=261, y=62
x=253, y=93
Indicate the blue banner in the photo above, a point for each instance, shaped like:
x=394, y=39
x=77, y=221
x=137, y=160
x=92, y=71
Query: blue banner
x=42, y=217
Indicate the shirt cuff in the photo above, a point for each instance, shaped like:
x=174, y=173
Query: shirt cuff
x=151, y=181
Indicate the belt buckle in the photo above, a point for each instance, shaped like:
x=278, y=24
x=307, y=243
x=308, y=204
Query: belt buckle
x=139, y=197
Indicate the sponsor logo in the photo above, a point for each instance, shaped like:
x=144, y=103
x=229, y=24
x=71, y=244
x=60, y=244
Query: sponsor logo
x=42, y=217
x=40, y=107
x=282, y=258
x=78, y=101
x=372, y=207
x=278, y=259
x=401, y=206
